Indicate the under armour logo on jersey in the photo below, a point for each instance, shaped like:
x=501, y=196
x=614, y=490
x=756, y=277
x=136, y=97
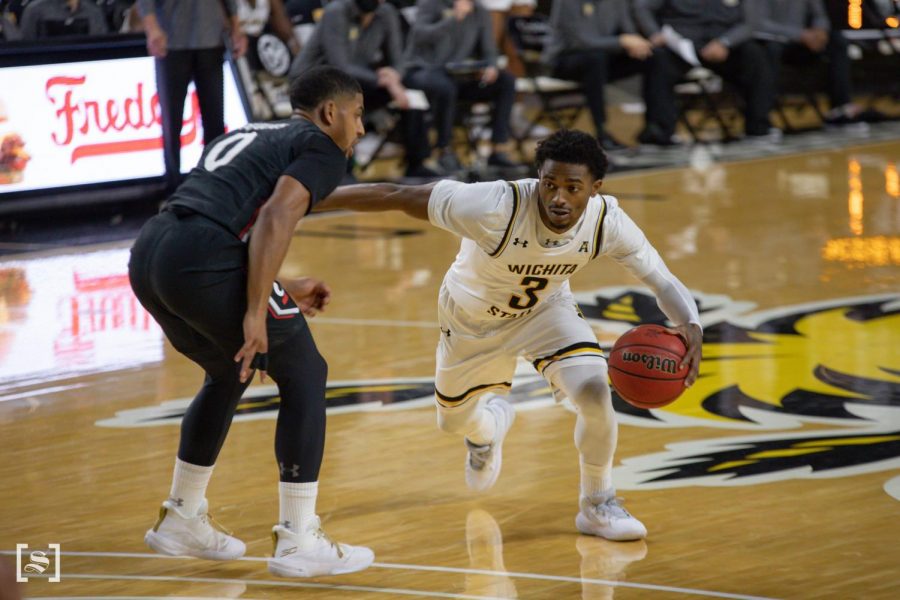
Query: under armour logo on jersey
x=550, y=242
x=445, y=331
x=295, y=470
x=524, y=243
x=584, y=247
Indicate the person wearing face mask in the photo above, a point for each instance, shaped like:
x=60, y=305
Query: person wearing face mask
x=799, y=33
x=721, y=34
x=364, y=39
x=594, y=42
x=205, y=268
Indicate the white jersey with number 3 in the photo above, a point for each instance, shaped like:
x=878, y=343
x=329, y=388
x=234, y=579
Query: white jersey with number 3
x=509, y=262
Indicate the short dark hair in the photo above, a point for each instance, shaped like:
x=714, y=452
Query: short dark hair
x=319, y=84
x=573, y=147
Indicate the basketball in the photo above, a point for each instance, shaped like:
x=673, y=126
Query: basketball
x=643, y=366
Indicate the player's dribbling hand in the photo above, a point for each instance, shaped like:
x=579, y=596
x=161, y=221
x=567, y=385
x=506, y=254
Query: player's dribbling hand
x=256, y=341
x=310, y=294
x=692, y=335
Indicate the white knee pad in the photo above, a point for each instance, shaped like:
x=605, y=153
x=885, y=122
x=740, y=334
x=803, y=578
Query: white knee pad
x=585, y=385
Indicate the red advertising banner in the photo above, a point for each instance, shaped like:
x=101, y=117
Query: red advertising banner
x=89, y=122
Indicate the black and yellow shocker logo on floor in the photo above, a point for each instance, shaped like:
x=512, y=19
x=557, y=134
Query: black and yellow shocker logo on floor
x=776, y=369
x=762, y=459
x=835, y=362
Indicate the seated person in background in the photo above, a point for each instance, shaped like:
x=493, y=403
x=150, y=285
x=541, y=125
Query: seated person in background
x=798, y=32
x=8, y=30
x=362, y=38
x=303, y=14
x=721, y=33
x=56, y=18
x=116, y=12
x=593, y=42
x=448, y=34
x=14, y=9
x=254, y=15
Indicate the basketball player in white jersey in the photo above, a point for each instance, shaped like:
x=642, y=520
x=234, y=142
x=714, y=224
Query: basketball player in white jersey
x=507, y=295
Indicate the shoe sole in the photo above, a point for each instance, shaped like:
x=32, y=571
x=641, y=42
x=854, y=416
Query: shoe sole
x=588, y=527
x=162, y=545
x=281, y=570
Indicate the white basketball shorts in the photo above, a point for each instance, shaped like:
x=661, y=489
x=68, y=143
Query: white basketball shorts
x=475, y=356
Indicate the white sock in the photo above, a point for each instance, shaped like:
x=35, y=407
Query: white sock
x=595, y=479
x=484, y=429
x=189, y=486
x=297, y=503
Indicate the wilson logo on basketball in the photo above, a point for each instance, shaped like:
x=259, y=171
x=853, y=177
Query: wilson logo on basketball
x=652, y=362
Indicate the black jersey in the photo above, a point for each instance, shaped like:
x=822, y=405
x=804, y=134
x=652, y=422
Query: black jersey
x=237, y=171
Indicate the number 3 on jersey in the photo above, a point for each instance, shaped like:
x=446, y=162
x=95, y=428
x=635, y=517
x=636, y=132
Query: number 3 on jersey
x=532, y=285
x=227, y=148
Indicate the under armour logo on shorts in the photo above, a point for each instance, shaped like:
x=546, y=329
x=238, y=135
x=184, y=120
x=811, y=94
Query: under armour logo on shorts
x=524, y=243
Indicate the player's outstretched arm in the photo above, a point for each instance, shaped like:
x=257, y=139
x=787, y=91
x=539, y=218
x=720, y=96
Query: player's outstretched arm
x=377, y=197
x=626, y=244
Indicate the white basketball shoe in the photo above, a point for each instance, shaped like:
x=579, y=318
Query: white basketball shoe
x=604, y=516
x=179, y=534
x=294, y=558
x=483, y=462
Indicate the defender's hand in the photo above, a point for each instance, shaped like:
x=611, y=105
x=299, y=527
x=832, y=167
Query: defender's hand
x=692, y=335
x=310, y=294
x=256, y=341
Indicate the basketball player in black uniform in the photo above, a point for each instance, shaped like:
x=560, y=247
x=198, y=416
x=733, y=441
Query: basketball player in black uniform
x=205, y=268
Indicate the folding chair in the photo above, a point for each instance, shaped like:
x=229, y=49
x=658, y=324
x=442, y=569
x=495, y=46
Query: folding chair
x=559, y=101
x=704, y=91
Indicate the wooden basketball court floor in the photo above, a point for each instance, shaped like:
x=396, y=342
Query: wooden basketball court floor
x=776, y=476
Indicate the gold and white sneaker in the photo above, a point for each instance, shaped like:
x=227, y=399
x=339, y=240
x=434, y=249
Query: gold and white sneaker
x=314, y=554
x=604, y=516
x=179, y=534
